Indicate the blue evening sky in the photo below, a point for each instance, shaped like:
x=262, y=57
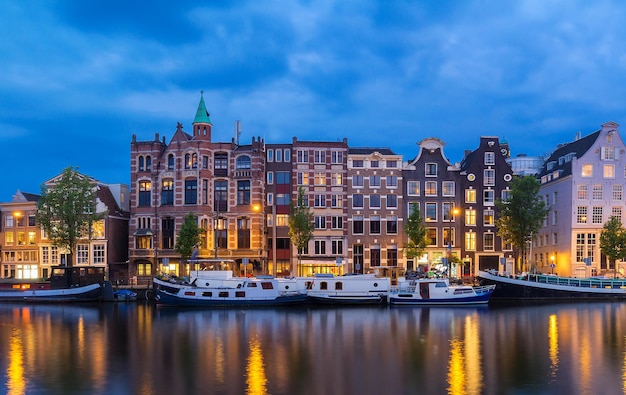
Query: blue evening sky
x=78, y=78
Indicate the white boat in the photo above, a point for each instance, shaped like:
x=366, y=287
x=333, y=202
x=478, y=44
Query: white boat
x=438, y=291
x=236, y=292
x=347, y=289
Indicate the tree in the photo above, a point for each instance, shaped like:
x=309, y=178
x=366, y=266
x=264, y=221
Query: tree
x=67, y=210
x=521, y=215
x=188, y=239
x=613, y=241
x=416, y=232
x=300, y=224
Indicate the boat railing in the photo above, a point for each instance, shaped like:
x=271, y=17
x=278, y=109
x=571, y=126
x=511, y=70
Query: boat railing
x=578, y=282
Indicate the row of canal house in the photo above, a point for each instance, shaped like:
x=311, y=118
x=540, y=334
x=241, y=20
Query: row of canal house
x=359, y=198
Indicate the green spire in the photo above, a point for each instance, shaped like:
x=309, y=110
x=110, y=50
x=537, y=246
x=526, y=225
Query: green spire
x=202, y=115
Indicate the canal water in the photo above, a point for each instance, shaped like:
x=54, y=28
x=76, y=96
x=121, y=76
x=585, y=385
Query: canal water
x=137, y=348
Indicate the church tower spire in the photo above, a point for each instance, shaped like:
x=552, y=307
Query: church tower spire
x=202, y=122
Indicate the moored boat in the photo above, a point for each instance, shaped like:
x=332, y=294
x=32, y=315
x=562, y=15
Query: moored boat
x=361, y=289
x=66, y=284
x=438, y=291
x=550, y=287
x=240, y=292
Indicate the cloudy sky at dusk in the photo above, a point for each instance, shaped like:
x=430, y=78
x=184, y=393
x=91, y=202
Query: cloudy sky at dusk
x=79, y=78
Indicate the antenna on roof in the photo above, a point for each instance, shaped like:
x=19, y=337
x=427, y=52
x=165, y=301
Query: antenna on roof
x=237, y=131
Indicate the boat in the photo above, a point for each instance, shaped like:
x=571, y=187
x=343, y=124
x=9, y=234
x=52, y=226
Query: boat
x=438, y=291
x=124, y=295
x=237, y=292
x=66, y=284
x=359, y=289
x=537, y=286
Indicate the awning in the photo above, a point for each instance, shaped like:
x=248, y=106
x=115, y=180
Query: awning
x=143, y=232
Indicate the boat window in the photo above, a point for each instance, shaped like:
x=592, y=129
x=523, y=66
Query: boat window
x=207, y=294
x=440, y=284
x=339, y=285
x=308, y=285
x=267, y=285
x=251, y=285
x=223, y=294
x=323, y=285
x=375, y=285
x=240, y=294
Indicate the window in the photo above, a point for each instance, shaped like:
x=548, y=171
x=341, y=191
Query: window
x=357, y=224
x=167, y=193
x=375, y=224
x=596, y=193
x=170, y=162
x=9, y=238
x=470, y=241
x=357, y=200
x=392, y=164
x=608, y=153
x=506, y=195
x=357, y=163
x=141, y=166
x=413, y=188
x=319, y=156
x=488, y=218
x=284, y=199
x=336, y=247
x=489, y=199
x=320, y=178
x=82, y=254
x=488, y=241
x=337, y=179
x=470, y=217
x=489, y=177
x=145, y=189
x=320, y=222
x=303, y=178
x=302, y=156
x=336, y=157
x=413, y=206
x=431, y=212
x=357, y=181
x=447, y=241
x=490, y=158
x=374, y=163
x=270, y=177
x=279, y=155
x=243, y=232
x=581, y=216
x=447, y=188
x=374, y=200
x=609, y=171
x=191, y=191
x=243, y=162
x=392, y=225
x=617, y=191
x=336, y=222
x=596, y=215
x=430, y=188
x=167, y=232
x=221, y=196
x=554, y=217
x=587, y=170
x=392, y=181
x=98, y=254
x=430, y=169
x=431, y=235
x=447, y=211
x=392, y=255
x=583, y=192
x=392, y=201
x=617, y=212
x=270, y=155
x=470, y=196
x=320, y=247
x=243, y=192
x=287, y=155
x=31, y=238
x=336, y=201
x=9, y=221
x=375, y=255
x=357, y=257
x=374, y=181
x=220, y=163
x=319, y=200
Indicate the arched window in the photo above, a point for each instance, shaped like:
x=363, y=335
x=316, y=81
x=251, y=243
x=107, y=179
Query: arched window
x=148, y=163
x=187, y=161
x=243, y=162
x=170, y=162
x=141, y=166
x=194, y=161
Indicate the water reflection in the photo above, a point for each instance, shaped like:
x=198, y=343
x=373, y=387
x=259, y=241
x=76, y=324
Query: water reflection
x=137, y=349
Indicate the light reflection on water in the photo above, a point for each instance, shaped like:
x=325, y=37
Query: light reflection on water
x=138, y=349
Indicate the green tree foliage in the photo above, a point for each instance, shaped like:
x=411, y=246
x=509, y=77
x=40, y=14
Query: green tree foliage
x=613, y=241
x=300, y=223
x=522, y=215
x=67, y=210
x=416, y=232
x=188, y=238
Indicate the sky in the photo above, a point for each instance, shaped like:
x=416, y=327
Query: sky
x=79, y=78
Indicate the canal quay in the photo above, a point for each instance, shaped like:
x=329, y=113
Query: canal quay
x=139, y=348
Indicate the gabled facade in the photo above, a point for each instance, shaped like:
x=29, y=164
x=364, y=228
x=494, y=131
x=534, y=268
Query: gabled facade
x=431, y=185
x=320, y=168
x=374, y=209
x=484, y=177
x=582, y=183
x=221, y=183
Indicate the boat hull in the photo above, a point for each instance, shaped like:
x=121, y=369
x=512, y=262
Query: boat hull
x=165, y=298
x=553, y=288
x=347, y=300
x=410, y=299
x=87, y=293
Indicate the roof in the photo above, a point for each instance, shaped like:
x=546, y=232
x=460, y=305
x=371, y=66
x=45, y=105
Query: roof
x=202, y=115
x=370, y=150
x=576, y=148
